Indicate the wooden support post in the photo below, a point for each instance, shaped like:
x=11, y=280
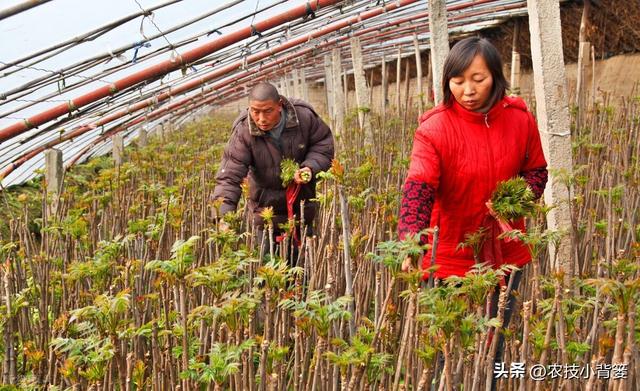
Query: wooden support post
x=362, y=90
x=439, y=44
x=53, y=178
x=157, y=130
x=297, y=77
x=338, y=92
x=553, y=119
x=300, y=80
x=291, y=83
x=385, y=87
x=584, y=52
x=305, y=87
x=345, y=90
x=142, y=137
x=515, y=73
x=420, y=95
x=407, y=81
x=164, y=131
x=288, y=85
x=407, y=102
x=328, y=86
x=593, y=73
x=515, y=61
x=398, y=76
x=584, y=21
x=118, y=149
x=429, y=91
x=294, y=83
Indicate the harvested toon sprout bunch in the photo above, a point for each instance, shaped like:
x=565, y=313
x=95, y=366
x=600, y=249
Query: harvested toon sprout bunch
x=288, y=170
x=306, y=176
x=513, y=199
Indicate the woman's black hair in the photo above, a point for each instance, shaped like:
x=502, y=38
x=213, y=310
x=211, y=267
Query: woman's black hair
x=461, y=56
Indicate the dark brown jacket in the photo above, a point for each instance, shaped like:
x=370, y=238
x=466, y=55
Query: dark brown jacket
x=305, y=139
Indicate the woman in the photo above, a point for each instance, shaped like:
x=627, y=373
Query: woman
x=462, y=149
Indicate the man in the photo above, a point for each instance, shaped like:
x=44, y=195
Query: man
x=273, y=128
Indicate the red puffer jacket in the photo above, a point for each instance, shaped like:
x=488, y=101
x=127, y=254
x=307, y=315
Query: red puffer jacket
x=458, y=158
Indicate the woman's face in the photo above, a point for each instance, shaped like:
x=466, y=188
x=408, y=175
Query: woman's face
x=472, y=88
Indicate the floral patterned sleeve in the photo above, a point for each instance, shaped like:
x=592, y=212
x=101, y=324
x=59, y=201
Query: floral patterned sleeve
x=415, y=207
x=537, y=180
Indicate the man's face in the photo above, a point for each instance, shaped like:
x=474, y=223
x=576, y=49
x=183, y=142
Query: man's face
x=265, y=113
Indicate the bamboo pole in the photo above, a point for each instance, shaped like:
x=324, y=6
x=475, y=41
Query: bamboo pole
x=420, y=90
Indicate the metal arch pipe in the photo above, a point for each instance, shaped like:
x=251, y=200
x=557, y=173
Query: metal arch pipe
x=222, y=90
x=88, y=36
x=265, y=54
x=20, y=7
x=130, y=124
x=305, y=38
x=405, y=31
x=159, y=112
x=336, y=26
x=262, y=55
x=224, y=70
x=85, y=64
x=220, y=72
x=163, y=67
x=409, y=30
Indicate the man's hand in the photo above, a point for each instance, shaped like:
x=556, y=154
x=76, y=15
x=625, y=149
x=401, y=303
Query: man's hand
x=302, y=176
x=407, y=265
